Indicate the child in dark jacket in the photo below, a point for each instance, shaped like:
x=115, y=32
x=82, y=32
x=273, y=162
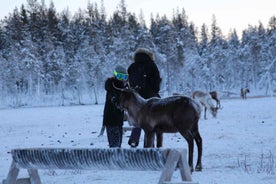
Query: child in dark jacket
x=113, y=117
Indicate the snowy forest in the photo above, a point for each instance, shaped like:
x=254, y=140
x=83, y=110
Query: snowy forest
x=56, y=58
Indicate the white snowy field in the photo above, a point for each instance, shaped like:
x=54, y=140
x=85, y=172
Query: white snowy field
x=239, y=146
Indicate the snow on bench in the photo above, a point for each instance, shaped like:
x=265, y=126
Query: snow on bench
x=153, y=159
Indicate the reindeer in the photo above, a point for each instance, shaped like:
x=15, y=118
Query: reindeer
x=164, y=115
x=244, y=92
x=215, y=96
x=206, y=100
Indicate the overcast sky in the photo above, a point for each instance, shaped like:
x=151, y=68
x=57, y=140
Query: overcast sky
x=229, y=13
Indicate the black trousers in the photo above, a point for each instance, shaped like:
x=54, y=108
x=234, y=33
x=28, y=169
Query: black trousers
x=114, y=136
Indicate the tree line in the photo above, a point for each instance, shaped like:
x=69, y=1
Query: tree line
x=56, y=57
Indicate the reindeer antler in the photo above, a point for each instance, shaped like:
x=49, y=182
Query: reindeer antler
x=120, y=89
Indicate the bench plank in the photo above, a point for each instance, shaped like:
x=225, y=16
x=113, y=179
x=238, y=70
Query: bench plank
x=109, y=158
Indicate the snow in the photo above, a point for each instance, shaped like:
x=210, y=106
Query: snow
x=239, y=146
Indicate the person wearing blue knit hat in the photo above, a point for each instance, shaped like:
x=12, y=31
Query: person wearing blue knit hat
x=113, y=117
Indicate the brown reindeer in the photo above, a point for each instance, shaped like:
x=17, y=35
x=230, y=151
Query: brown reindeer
x=206, y=100
x=166, y=115
x=244, y=92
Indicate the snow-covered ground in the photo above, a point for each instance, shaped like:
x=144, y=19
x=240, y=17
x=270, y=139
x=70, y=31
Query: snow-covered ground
x=239, y=146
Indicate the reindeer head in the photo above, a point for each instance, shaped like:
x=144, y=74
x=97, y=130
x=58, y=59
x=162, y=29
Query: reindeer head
x=127, y=96
x=214, y=111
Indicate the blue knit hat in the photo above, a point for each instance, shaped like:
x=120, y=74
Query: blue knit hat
x=120, y=73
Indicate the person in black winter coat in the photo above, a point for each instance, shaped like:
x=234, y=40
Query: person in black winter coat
x=113, y=117
x=144, y=74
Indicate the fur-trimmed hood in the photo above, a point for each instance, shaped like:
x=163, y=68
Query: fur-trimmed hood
x=143, y=51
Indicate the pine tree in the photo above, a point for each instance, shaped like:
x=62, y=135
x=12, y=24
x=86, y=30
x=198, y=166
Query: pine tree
x=203, y=43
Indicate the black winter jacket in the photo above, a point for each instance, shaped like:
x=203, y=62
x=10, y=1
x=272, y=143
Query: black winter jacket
x=113, y=116
x=149, y=81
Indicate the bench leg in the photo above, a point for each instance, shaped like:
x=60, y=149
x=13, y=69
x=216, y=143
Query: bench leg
x=184, y=167
x=34, y=177
x=12, y=175
x=170, y=166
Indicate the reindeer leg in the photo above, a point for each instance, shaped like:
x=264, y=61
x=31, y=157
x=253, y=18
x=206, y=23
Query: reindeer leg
x=198, y=141
x=159, y=137
x=149, y=139
x=205, y=109
x=189, y=138
x=145, y=140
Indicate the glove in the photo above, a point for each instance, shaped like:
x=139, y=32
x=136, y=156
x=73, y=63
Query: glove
x=113, y=99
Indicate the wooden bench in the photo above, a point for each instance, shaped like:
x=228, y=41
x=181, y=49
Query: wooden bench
x=150, y=159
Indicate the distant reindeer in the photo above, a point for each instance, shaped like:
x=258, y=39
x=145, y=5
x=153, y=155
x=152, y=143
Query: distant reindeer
x=165, y=115
x=244, y=92
x=206, y=100
x=215, y=96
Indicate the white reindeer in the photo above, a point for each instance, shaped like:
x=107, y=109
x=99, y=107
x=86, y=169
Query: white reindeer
x=207, y=102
